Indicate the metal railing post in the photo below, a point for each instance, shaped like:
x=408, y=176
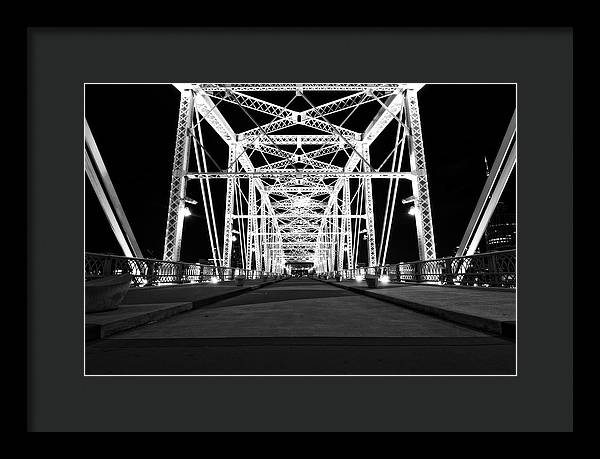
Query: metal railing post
x=107, y=267
x=178, y=273
x=448, y=276
x=150, y=273
x=494, y=275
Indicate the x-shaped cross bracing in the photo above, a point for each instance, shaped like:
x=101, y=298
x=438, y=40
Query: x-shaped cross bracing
x=290, y=196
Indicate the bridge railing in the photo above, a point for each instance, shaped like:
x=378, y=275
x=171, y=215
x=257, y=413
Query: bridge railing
x=147, y=271
x=491, y=269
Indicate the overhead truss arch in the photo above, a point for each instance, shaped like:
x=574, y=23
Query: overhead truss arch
x=298, y=197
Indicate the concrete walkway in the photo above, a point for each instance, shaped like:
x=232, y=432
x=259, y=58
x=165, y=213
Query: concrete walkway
x=491, y=311
x=301, y=326
x=145, y=305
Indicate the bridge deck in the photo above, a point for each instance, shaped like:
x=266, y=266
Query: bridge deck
x=301, y=326
x=487, y=309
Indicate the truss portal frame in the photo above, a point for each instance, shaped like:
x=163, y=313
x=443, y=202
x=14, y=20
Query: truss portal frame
x=298, y=197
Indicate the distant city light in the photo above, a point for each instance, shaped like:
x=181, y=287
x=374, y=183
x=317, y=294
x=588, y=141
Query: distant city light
x=359, y=278
x=187, y=212
x=412, y=210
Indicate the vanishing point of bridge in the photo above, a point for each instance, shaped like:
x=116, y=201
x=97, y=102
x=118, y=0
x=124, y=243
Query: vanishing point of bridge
x=299, y=191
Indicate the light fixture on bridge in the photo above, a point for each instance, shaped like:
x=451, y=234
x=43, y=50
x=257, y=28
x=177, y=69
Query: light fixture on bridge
x=412, y=210
x=359, y=278
x=234, y=238
x=187, y=212
x=214, y=280
x=384, y=279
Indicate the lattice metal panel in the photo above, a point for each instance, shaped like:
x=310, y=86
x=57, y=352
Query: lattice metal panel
x=368, y=186
x=420, y=185
x=229, y=197
x=252, y=227
x=303, y=86
x=304, y=139
x=175, y=215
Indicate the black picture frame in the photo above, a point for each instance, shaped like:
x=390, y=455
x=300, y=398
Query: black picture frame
x=60, y=398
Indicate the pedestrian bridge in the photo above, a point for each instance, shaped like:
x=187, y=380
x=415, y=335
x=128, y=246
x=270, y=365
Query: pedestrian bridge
x=299, y=164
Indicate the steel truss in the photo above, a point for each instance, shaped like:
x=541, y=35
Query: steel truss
x=298, y=197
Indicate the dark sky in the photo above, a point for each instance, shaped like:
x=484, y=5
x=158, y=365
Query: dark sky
x=134, y=127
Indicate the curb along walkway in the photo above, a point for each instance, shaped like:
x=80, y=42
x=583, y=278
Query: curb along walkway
x=143, y=306
x=488, y=311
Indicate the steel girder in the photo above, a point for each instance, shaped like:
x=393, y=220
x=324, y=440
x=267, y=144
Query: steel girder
x=267, y=87
x=420, y=186
x=252, y=227
x=324, y=172
x=304, y=139
x=175, y=216
x=229, y=206
x=368, y=187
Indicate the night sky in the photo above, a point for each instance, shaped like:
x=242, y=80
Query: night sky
x=134, y=127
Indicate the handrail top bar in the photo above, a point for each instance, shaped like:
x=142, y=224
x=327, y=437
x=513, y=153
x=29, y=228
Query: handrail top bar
x=154, y=260
x=498, y=252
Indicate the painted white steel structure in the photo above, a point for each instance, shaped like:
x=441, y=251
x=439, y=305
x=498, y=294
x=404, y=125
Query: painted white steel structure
x=97, y=173
x=301, y=196
x=505, y=162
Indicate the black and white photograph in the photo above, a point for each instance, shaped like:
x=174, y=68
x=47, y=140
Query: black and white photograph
x=299, y=228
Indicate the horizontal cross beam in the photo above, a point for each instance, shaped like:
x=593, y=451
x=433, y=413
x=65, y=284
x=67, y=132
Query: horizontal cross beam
x=214, y=87
x=306, y=172
x=287, y=216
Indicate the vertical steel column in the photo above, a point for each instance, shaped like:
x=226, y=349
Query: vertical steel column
x=331, y=238
x=348, y=224
x=420, y=187
x=369, y=208
x=338, y=236
x=234, y=151
x=175, y=214
x=252, y=229
x=260, y=262
x=268, y=238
